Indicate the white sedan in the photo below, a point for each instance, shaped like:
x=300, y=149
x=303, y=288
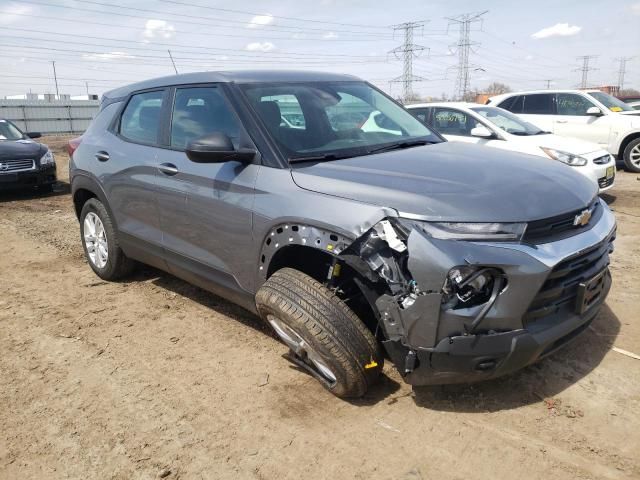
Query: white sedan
x=495, y=127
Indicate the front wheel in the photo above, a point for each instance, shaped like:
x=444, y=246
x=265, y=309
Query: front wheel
x=323, y=334
x=631, y=156
x=100, y=244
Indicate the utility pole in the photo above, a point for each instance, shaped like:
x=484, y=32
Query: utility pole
x=622, y=70
x=585, y=69
x=549, y=80
x=464, y=47
x=408, y=50
x=55, y=78
x=86, y=84
x=172, y=62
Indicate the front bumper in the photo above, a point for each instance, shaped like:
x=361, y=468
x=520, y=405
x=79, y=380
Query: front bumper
x=37, y=177
x=431, y=347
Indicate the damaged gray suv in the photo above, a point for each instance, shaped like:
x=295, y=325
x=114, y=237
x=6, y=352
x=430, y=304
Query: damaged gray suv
x=317, y=202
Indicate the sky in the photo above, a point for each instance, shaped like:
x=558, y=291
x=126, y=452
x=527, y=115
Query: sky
x=102, y=44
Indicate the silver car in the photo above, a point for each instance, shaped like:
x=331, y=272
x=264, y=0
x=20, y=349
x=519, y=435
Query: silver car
x=457, y=262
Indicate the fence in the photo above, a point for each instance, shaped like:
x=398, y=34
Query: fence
x=57, y=116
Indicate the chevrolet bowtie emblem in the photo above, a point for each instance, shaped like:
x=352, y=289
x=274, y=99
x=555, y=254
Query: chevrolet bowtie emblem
x=582, y=218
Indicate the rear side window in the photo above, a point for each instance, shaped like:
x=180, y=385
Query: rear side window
x=538, y=104
x=421, y=114
x=513, y=104
x=140, y=120
x=198, y=112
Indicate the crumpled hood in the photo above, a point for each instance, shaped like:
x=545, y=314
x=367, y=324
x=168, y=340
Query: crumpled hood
x=454, y=182
x=21, y=149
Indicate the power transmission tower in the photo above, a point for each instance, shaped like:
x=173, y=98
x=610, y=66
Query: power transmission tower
x=408, y=51
x=622, y=70
x=548, y=81
x=464, y=48
x=585, y=69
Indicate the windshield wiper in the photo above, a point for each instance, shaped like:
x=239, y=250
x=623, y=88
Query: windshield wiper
x=400, y=146
x=319, y=158
x=542, y=132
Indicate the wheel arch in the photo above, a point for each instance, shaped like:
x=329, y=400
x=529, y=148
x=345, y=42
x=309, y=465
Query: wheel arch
x=83, y=188
x=625, y=141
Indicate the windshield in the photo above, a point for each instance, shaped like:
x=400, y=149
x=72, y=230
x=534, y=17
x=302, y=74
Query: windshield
x=339, y=119
x=8, y=131
x=507, y=121
x=612, y=103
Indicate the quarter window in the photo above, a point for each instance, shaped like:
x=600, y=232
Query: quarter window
x=198, y=112
x=140, y=120
x=538, y=104
x=572, y=104
x=421, y=114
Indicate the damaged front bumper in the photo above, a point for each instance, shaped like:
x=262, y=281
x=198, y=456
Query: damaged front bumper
x=551, y=292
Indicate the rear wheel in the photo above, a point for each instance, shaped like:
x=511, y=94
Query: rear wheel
x=631, y=156
x=324, y=336
x=100, y=244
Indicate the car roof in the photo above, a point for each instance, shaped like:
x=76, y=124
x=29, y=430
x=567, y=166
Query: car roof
x=530, y=92
x=231, y=76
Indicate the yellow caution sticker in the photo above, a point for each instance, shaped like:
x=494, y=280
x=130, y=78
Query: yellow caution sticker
x=615, y=109
x=371, y=364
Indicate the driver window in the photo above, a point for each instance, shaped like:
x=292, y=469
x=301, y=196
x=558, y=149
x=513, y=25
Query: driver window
x=453, y=122
x=198, y=112
x=572, y=104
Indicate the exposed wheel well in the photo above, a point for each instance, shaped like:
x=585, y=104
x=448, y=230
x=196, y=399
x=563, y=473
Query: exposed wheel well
x=80, y=197
x=316, y=263
x=626, y=142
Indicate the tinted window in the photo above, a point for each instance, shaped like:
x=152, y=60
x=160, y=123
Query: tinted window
x=513, y=104
x=538, y=104
x=453, y=122
x=198, y=112
x=140, y=120
x=421, y=114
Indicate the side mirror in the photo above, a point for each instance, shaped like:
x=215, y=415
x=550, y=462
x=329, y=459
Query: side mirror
x=33, y=134
x=594, y=112
x=482, y=132
x=217, y=148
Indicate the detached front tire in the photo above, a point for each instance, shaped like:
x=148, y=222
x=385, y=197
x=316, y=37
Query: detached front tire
x=324, y=335
x=631, y=156
x=100, y=244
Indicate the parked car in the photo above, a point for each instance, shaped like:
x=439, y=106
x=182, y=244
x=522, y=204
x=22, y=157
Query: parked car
x=23, y=162
x=462, y=262
x=496, y=127
x=635, y=105
x=589, y=115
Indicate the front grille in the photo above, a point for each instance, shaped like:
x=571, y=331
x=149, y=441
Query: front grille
x=559, y=292
x=10, y=166
x=550, y=229
x=602, y=160
x=604, y=182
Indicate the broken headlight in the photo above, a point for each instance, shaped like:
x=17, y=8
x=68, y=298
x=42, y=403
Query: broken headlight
x=490, y=232
x=470, y=285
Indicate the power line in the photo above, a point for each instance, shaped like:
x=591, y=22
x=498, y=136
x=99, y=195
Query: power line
x=585, y=69
x=464, y=47
x=622, y=70
x=408, y=50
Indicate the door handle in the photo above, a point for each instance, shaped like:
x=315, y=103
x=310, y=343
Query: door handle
x=102, y=156
x=168, y=168
x=562, y=121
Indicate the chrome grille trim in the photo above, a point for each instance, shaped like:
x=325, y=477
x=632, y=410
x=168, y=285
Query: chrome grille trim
x=13, y=166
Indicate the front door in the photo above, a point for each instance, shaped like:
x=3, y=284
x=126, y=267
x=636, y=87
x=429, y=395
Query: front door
x=571, y=119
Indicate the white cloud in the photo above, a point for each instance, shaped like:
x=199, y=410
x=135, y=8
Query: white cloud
x=558, y=30
x=635, y=8
x=298, y=36
x=158, y=29
x=330, y=35
x=108, y=56
x=14, y=12
x=260, y=47
x=260, y=21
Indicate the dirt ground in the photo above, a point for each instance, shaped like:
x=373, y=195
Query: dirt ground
x=153, y=377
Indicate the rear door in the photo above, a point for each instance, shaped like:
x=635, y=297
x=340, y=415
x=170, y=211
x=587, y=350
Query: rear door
x=205, y=208
x=571, y=119
x=538, y=109
x=128, y=160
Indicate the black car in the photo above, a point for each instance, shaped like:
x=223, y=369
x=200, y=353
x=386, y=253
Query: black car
x=23, y=162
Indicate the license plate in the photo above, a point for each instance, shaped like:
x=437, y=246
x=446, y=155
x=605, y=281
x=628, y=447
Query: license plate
x=8, y=177
x=591, y=291
x=611, y=171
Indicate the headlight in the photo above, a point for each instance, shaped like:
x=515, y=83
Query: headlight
x=47, y=158
x=565, y=157
x=491, y=232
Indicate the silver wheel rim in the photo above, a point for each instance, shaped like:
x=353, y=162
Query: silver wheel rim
x=95, y=240
x=301, y=348
x=634, y=156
